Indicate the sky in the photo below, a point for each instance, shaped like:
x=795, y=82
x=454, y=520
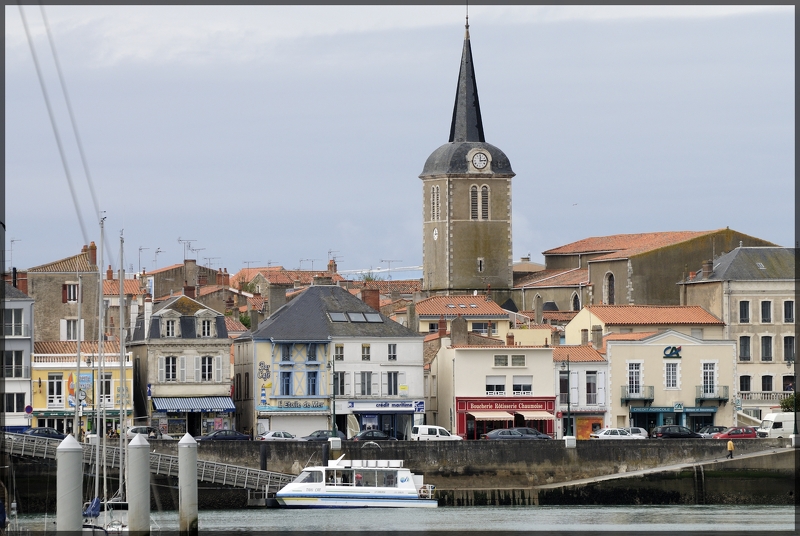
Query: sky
x=287, y=135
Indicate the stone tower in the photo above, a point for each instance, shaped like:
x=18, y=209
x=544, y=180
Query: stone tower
x=466, y=199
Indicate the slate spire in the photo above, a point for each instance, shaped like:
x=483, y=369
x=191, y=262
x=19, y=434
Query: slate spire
x=467, y=124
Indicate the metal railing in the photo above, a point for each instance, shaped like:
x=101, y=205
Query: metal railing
x=160, y=464
x=16, y=371
x=642, y=392
x=713, y=392
x=16, y=330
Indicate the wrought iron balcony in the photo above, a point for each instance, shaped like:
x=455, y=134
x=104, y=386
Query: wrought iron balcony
x=644, y=393
x=718, y=393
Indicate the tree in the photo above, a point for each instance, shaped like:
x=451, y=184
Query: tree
x=787, y=404
x=369, y=276
x=245, y=319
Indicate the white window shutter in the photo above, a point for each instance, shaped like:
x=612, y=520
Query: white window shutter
x=358, y=382
x=573, y=386
x=346, y=383
x=197, y=375
x=375, y=385
x=384, y=384
x=217, y=369
x=182, y=365
x=401, y=379
x=62, y=329
x=161, y=375
x=601, y=387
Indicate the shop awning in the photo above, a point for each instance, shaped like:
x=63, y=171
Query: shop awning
x=536, y=415
x=491, y=415
x=194, y=404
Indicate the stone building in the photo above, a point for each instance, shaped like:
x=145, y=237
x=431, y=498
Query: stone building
x=17, y=350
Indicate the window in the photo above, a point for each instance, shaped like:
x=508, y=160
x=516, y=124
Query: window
x=171, y=369
x=501, y=361
x=311, y=383
x=483, y=328
x=435, y=206
x=338, y=352
x=72, y=329
x=576, y=303
x=481, y=264
x=591, y=387
x=392, y=350
x=766, y=348
x=517, y=360
x=105, y=394
x=671, y=375
x=71, y=292
x=709, y=378
x=12, y=322
x=495, y=385
x=484, y=202
x=473, y=202
x=205, y=328
x=522, y=385
x=311, y=352
x=237, y=388
x=766, y=383
x=744, y=312
x=744, y=384
x=766, y=312
x=55, y=395
x=14, y=403
x=744, y=348
x=634, y=378
x=365, y=352
x=391, y=384
x=338, y=383
x=610, y=290
x=433, y=327
x=286, y=383
x=12, y=364
x=247, y=386
x=788, y=348
x=286, y=352
x=206, y=368
x=169, y=328
x=788, y=384
x=366, y=382
x=788, y=311
x=563, y=386
x=697, y=333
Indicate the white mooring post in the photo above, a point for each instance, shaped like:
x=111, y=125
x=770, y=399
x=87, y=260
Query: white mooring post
x=187, y=485
x=69, y=484
x=139, y=485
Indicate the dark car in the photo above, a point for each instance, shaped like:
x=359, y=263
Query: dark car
x=533, y=433
x=224, y=435
x=323, y=435
x=673, y=431
x=737, y=432
x=372, y=435
x=44, y=431
x=505, y=433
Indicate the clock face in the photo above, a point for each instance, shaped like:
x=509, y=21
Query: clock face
x=435, y=234
x=479, y=160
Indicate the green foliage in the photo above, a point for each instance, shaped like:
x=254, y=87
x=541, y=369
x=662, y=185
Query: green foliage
x=369, y=276
x=787, y=404
x=244, y=318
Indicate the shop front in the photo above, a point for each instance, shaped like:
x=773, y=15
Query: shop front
x=694, y=418
x=476, y=416
x=196, y=416
x=298, y=416
x=393, y=417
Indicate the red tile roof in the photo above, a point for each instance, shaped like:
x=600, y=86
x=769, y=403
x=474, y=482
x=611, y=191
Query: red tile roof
x=559, y=316
x=131, y=286
x=451, y=306
x=71, y=347
x=625, y=245
x=625, y=337
x=653, y=314
x=582, y=354
x=232, y=324
x=76, y=263
x=165, y=269
x=205, y=290
x=403, y=286
x=278, y=275
x=554, y=278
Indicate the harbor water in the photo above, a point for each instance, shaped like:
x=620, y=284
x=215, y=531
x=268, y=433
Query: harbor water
x=730, y=519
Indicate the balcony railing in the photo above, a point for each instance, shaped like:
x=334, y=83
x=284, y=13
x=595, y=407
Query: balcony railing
x=55, y=402
x=16, y=330
x=765, y=395
x=521, y=393
x=645, y=393
x=495, y=393
x=718, y=393
x=16, y=371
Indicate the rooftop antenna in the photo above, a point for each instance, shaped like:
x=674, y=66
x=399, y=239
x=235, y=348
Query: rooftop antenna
x=248, y=263
x=11, y=253
x=155, y=257
x=140, y=257
x=331, y=254
x=186, y=243
x=208, y=261
x=390, y=261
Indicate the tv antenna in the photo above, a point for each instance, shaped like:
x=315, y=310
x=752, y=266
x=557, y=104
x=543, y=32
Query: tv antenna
x=389, y=271
x=155, y=257
x=187, y=244
x=140, y=257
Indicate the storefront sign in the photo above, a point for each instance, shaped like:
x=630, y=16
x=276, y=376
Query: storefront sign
x=672, y=351
x=678, y=406
x=491, y=405
x=703, y=409
x=383, y=406
x=263, y=371
x=652, y=409
x=296, y=405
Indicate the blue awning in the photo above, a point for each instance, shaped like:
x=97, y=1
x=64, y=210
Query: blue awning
x=199, y=404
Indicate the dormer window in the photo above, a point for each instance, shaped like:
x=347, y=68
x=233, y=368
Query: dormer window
x=169, y=328
x=205, y=328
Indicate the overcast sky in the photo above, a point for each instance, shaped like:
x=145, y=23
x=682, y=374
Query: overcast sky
x=275, y=134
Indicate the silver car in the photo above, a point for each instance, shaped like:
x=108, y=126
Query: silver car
x=277, y=435
x=150, y=432
x=636, y=431
x=708, y=431
x=613, y=433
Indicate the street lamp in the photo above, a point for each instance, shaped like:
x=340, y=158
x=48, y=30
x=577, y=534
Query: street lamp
x=565, y=366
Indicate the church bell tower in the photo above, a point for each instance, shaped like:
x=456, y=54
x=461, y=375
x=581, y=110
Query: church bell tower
x=466, y=200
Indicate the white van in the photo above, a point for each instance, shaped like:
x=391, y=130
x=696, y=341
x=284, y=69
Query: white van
x=425, y=432
x=777, y=425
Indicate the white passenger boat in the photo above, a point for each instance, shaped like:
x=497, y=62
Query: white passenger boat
x=357, y=484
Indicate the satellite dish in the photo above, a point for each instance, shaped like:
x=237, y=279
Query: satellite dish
x=474, y=292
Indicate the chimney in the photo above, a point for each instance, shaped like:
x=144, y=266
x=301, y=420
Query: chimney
x=202, y=279
x=188, y=290
x=458, y=331
x=556, y=336
x=109, y=273
x=190, y=271
x=372, y=297
x=226, y=278
x=321, y=279
x=276, y=297
x=584, y=337
x=442, y=326
x=148, y=312
x=411, y=316
x=509, y=339
x=219, y=279
x=708, y=268
x=538, y=305
x=297, y=283
x=92, y=254
x=597, y=337
x=253, y=320
x=332, y=268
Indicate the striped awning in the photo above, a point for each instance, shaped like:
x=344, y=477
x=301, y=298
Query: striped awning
x=536, y=415
x=199, y=404
x=492, y=415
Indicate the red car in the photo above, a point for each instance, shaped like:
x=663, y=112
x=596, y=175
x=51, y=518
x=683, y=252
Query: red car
x=737, y=432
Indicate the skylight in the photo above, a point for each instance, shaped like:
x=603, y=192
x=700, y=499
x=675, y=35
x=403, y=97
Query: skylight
x=451, y=306
x=337, y=317
x=462, y=305
x=373, y=317
x=473, y=305
x=356, y=317
x=760, y=266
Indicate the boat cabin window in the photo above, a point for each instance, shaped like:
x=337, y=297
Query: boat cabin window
x=308, y=477
x=381, y=478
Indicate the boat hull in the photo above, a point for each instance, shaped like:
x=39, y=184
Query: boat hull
x=349, y=501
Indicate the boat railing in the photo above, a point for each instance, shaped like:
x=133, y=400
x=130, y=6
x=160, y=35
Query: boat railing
x=426, y=491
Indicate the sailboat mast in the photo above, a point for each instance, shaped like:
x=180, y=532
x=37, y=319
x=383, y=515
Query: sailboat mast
x=99, y=398
x=76, y=423
x=122, y=384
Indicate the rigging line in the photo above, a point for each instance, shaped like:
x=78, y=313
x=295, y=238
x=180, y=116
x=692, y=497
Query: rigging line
x=53, y=124
x=74, y=124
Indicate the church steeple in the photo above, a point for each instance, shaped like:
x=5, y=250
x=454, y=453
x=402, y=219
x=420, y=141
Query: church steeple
x=466, y=124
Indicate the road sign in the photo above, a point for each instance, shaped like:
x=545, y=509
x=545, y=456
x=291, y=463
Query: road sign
x=29, y=409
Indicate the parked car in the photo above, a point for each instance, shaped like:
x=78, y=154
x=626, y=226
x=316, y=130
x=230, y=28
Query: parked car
x=613, y=433
x=277, y=435
x=673, y=431
x=224, y=435
x=504, y=433
x=429, y=432
x=150, y=432
x=44, y=431
x=532, y=432
x=737, y=432
x=708, y=431
x=636, y=431
x=323, y=435
x=372, y=435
